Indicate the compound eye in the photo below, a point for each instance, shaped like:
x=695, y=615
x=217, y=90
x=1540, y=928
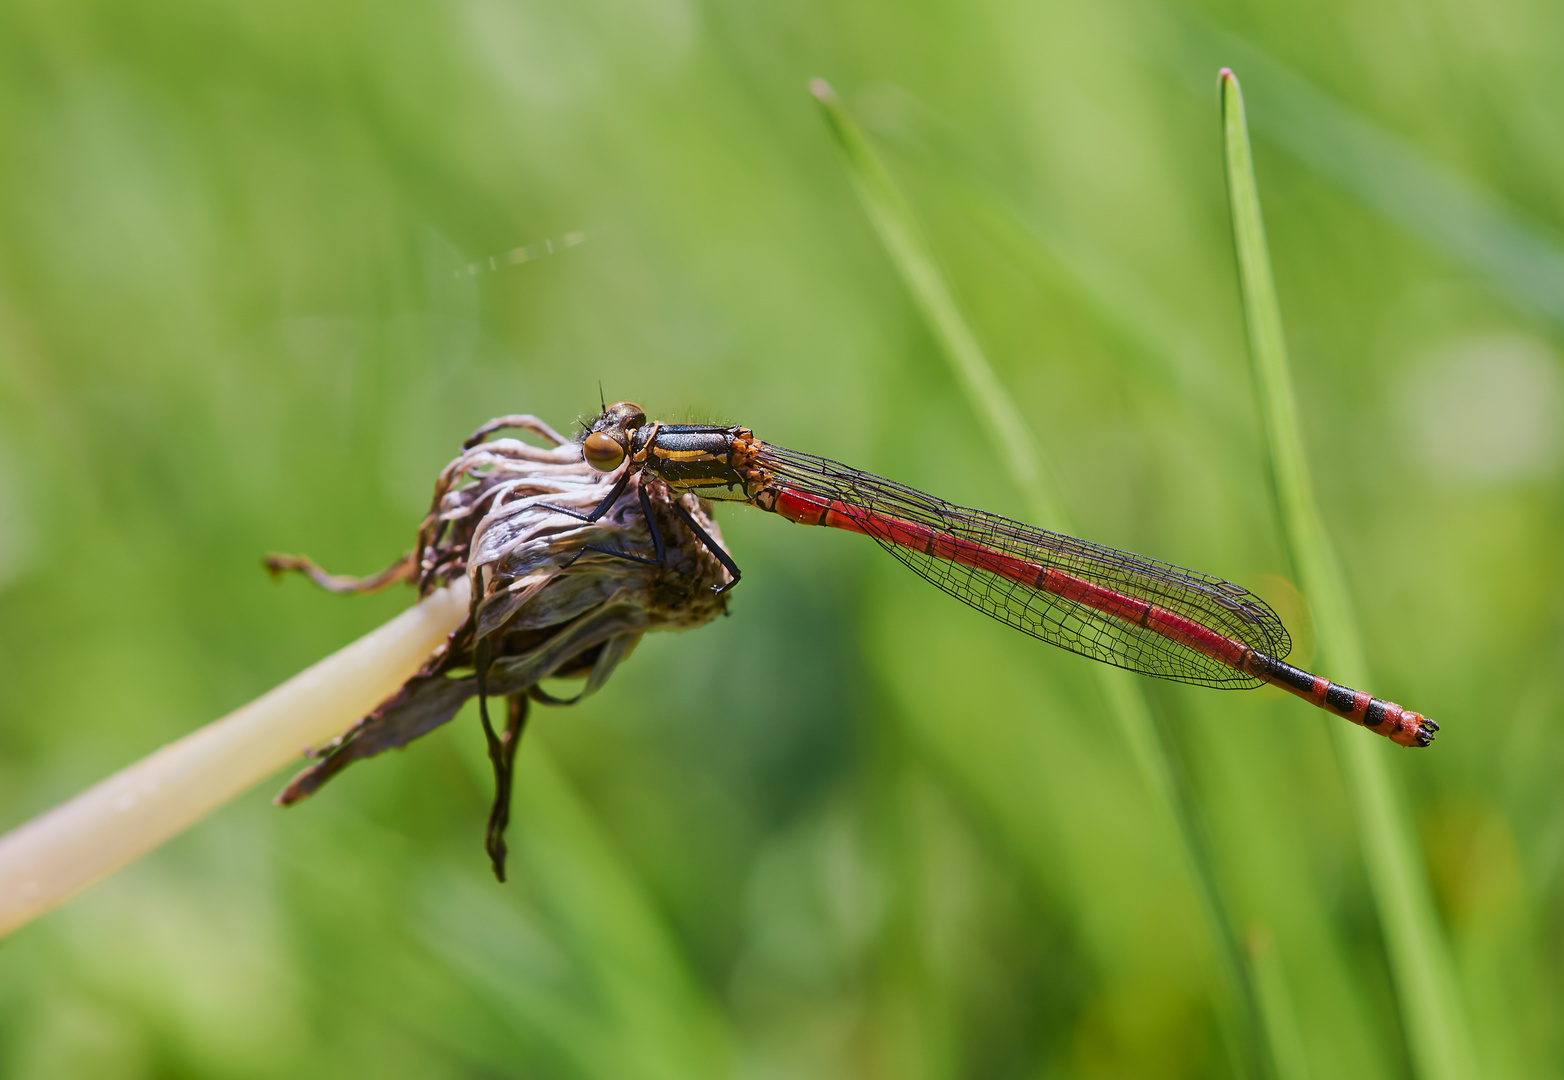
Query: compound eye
x=602, y=452
x=627, y=414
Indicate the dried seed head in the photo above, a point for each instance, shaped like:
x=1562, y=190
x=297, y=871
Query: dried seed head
x=543, y=607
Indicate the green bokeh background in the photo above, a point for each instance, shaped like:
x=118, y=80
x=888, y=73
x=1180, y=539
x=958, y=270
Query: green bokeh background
x=855, y=829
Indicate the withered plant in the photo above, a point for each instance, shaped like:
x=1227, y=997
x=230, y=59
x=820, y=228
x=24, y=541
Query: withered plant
x=544, y=606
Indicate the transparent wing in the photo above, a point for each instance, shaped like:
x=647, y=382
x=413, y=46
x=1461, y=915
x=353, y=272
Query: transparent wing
x=877, y=506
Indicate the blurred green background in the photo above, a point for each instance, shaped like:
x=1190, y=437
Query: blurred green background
x=855, y=829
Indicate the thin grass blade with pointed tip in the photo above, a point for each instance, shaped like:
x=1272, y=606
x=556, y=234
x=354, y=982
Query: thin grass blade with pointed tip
x=1437, y=1032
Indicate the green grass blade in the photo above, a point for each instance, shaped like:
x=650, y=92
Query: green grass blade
x=1436, y=1027
x=1014, y=444
x=898, y=230
x=1276, y=1009
x=1521, y=257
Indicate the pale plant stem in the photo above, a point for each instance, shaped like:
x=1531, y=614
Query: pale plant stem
x=48, y=860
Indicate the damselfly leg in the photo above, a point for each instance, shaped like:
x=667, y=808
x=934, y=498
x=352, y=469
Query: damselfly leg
x=660, y=553
x=711, y=545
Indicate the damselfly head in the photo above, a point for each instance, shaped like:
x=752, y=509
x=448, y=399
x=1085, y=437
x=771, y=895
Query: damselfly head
x=608, y=442
x=622, y=414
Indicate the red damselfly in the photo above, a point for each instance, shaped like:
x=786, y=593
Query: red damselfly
x=1122, y=609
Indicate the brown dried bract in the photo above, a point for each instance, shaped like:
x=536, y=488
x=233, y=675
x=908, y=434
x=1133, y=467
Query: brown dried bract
x=534, y=616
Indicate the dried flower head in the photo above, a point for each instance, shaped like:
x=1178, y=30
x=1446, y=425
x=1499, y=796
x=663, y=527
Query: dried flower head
x=546, y=603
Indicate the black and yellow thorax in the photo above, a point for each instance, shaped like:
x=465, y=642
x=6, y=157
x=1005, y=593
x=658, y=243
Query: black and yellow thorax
x=713, y=462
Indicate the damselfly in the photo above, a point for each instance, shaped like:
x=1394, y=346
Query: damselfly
x=1133, y=612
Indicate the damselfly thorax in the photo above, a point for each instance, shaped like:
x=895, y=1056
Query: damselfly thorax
x=711, y=462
